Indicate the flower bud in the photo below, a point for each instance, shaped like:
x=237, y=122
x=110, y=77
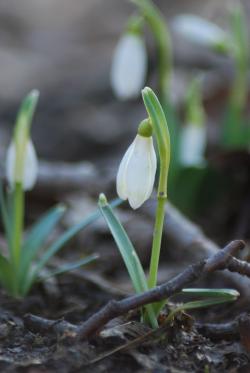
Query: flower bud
x=129, y=66
x=28, y=175
x=21, y=159
x=192, y=145
x=193, y=135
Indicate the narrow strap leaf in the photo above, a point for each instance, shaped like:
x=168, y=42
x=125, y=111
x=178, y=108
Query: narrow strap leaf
x=36, y=237
x=66, y=237
x=5, y=215
x=6, y=275
x=127, y=252
x=229, y=294
x=214, y=297
x=71, y=266
x=39, y=233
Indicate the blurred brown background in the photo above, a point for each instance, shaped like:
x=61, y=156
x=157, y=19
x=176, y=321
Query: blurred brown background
x=64, y=49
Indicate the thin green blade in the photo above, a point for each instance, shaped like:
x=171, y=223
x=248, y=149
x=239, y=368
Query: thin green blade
x=71, y=266
x=6, y=275
x=68, y=235
x=215, y=297
x=229, y=294
x=37, y=236
x=5, y=215
x=127, y=252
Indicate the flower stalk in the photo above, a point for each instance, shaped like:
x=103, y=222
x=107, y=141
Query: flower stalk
x=160, y=128
x=21, y=267
x=240, y=52
x=235, y=132
x=21, y=169
x=18, y=220
x=157, y=23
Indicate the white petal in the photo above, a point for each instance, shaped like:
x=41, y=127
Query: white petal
x=153, y=166
x=141, y=170
x=30, y=166
x=199, y=30
x=129, y=67
x=192, y=145
x=121, y=185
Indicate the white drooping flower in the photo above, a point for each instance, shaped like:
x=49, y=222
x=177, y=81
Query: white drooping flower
x=136, y=174
x=28, y=174
x=199, y=30
x=129, y=66
x=192, y=145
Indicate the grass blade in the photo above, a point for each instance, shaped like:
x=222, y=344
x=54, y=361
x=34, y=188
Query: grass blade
x=229, y=294
x=71, y=266
x=6, y=275
x=5, y=216
x=40, y=232
x=36, y=237
x=215, y=297
x=67, y=236
x=127, y=252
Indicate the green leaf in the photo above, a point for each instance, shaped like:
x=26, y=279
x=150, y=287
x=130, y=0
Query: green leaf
x=25, y=114
x=234, y=129
x=160, y=127
x=174, y=131
x=66, y=237
x=157, y=23
x=71, y=266
x=229, y=294
x=215, y=297
x=5, y=215
x=6, y=275
x=36, y=237
x=22, y=131
x=158, y=306
x=205, y=303
x=127, y=252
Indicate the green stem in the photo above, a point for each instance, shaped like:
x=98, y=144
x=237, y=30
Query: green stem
x=233, y=134
x=157, y=23
x=156, y=247
x=160, y=128
x=240, y=53
x=240, y=87
x=18, y=218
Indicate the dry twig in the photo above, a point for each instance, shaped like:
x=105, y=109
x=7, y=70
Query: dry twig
x=221, y=260
x=189, y=239
x=190, y=274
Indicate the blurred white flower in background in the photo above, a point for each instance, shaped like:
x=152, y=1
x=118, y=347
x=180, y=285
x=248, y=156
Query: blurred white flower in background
x=136, y=174
x=192, y=145
x=200, y=31
x=28, y=175
x=129, y=66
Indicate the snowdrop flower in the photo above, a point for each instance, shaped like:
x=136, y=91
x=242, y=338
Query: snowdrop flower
x=21, y=159
x=192, y=145
x=200, y=31
x=27, y=175
x=136, y=173
x=129, y=66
